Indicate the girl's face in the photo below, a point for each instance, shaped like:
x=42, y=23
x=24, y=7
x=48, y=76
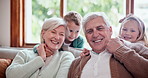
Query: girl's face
x=129, y=31
x=72, y=31
x=54, y=38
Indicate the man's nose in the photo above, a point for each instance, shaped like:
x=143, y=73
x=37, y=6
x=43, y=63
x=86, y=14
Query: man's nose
x=95, y=34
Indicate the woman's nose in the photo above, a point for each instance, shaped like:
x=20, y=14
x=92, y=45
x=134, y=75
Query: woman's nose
x=57, y=36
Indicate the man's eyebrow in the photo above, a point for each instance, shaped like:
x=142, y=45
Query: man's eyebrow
x=100, y=25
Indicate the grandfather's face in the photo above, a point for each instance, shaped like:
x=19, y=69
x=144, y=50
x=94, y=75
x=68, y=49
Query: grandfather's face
x=97, y=34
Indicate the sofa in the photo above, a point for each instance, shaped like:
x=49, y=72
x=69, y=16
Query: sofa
x=6, y=57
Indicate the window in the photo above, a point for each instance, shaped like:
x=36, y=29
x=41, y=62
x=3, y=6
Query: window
x=36, y=11
x=19, y=23
x=140, y=10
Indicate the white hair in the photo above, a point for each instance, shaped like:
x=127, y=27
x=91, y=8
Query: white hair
x=94, y=15
x=51, y=24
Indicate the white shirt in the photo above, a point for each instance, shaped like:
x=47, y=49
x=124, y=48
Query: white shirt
x=98, y=66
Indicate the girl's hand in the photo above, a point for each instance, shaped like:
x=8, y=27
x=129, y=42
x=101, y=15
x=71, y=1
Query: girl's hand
x=85, y=52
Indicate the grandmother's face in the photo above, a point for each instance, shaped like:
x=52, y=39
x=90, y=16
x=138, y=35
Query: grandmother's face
x=54, y=38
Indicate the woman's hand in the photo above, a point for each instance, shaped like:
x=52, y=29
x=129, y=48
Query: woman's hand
x=41, y=51
x=48, y=51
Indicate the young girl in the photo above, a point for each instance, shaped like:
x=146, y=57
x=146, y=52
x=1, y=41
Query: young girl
x=133, y=30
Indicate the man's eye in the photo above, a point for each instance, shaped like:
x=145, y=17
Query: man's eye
x=100, y=28
x=89, y=31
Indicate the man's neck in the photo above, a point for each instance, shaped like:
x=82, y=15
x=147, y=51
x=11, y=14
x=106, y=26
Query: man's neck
x=98, y=51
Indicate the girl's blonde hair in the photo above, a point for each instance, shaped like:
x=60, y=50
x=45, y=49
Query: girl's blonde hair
x=51, y=24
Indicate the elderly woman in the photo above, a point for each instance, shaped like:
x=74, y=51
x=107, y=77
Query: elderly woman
x=48, y=62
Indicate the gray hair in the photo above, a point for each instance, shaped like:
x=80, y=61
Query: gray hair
x=51, y=24
x=94, y=15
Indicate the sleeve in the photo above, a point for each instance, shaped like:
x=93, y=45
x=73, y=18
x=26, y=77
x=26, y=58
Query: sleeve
x=133, y=61
x=75, y=51
x=80, y=42
x=22, y=68
x=34, y=48
x=65, y=65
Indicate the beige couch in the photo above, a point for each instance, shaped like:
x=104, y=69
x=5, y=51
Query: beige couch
x=6, y=57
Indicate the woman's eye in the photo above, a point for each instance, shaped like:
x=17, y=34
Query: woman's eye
x=62, y=34
x=52, y=31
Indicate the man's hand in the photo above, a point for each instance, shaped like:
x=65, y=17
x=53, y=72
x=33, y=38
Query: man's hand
x=114, y=44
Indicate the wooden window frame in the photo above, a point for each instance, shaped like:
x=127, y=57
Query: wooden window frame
x=18, y=21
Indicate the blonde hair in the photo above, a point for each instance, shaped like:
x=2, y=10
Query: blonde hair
x=74, y=17
x=93, y=15
x=51, y=24
x=141, y=27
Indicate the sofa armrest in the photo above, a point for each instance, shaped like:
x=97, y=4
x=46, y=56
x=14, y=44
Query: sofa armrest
x=8, y=53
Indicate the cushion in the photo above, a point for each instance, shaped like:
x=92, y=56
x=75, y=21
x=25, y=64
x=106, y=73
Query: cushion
x=4, y=63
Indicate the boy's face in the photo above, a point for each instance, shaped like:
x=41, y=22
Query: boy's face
x=72, y=31
x=129, y=31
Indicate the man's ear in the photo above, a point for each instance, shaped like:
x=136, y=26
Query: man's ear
x=110, y=29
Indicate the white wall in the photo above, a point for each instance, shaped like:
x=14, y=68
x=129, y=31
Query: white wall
x=5, y=22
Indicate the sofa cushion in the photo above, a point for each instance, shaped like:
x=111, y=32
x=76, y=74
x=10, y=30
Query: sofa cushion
x=4, y=63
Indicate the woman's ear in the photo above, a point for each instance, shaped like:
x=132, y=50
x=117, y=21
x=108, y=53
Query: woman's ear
x=42, y=33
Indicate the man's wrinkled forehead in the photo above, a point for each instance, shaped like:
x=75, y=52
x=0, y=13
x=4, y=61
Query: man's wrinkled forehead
x=98, y=21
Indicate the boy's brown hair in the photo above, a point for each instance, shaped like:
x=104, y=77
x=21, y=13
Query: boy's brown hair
x=74, y=17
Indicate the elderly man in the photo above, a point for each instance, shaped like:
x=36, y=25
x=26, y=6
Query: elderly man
x=110, y=57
